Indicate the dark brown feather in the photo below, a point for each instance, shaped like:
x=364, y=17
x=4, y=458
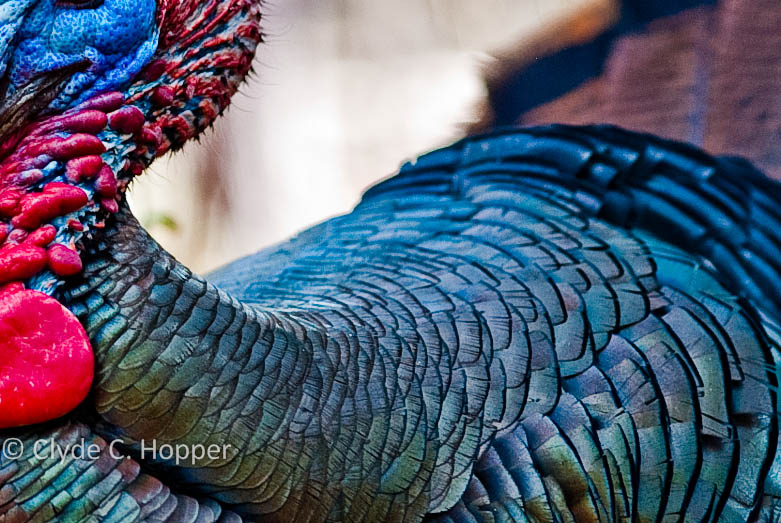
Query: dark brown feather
x=708, y=75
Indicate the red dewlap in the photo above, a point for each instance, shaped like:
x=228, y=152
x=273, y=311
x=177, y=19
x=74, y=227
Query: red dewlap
x=42, y=236
x=83, y=168
x=63, y=261
x=163, y=96
x=56, y=199
x=19, y=262
x=46, y=362
x=106, y=183
x=47, y=365
x=128, y=120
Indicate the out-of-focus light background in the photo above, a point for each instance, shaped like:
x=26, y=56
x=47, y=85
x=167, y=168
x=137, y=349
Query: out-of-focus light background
x=344, y=91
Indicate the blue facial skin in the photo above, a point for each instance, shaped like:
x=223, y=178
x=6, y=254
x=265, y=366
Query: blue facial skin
x=118, y=37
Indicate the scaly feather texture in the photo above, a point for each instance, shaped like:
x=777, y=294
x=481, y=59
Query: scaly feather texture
x=514, y=328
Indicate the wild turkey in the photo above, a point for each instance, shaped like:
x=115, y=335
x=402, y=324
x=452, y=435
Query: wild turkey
x=554, y=323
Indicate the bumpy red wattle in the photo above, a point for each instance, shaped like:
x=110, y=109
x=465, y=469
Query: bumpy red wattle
x=46, y=362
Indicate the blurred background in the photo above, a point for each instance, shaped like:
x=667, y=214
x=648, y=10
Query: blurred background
x=345, y=90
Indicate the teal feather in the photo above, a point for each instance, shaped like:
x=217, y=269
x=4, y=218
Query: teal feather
x=546, y=325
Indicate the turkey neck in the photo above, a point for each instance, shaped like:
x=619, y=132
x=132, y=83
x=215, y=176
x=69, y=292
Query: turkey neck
x=180, y=362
